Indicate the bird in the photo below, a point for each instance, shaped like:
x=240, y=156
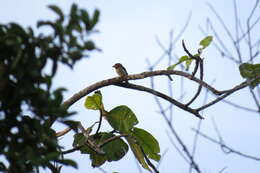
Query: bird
x=120, y=69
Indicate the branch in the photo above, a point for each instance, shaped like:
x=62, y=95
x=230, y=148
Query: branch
x=228, y=92
x=148, y=161
x=111, y=139
x=63, y=132
x=98, y=146
x=143, y=75
x=159, y=94
x=89, y=142
x=117, y=80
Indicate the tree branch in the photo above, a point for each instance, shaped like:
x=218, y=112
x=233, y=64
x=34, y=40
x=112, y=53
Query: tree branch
x=143, y=75
x=159, y=94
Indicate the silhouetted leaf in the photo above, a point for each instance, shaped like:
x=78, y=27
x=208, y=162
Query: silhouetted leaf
x=95, y=18
x=57, y=10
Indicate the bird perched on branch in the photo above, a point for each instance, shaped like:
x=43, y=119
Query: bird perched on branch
x=120, y=69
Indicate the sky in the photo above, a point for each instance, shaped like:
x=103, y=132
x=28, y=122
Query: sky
x=127, y=32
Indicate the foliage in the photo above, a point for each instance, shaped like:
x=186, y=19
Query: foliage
x=28, y=103
x=123, y=120
x=250, y=71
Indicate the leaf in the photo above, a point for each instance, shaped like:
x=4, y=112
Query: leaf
x=57, y=10
x=122, y=118
x=188, y=63
x=73, y=10
x=89, y=45
x=95, y=17
x=17, y=29
x=97, y=160
x=94, y=102
x=115, y=149
x=68, y=162
x=149, y=144
x=79, y=139
x=137, y=152
x=85, y=19
x=250, y=71
x=206, y=41
x=44, y=23
x=182, y=59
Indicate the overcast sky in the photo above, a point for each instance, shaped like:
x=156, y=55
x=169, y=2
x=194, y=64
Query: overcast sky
x=127, y=31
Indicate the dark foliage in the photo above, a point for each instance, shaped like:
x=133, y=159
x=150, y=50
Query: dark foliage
x=28, y=103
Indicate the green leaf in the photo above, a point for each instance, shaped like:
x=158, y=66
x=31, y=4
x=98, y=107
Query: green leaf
x=188, y=63
x=57, y=10
x=122, y=118
x=95, y=18
x=73, y=10
x=149, y=144
x=94, y=102
x=79, y=139
x=182, y=59
x=97, y=160
x=68, y=162
x=136, y=149
x=250, y=71
x=206, y=41
x=17, y=29
x=85, y=19
x=89, y=45
x=115, y=149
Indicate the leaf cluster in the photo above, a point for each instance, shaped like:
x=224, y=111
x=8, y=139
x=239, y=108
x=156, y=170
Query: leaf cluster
x=123, y=121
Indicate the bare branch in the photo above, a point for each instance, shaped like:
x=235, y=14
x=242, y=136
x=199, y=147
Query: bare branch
x=227, y=93
x=159, y=94
x=143, y=75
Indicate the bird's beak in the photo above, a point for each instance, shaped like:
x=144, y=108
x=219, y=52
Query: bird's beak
x=113, y=66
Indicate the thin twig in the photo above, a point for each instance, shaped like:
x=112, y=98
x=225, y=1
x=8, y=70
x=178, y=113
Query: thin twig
x=159, y=94
x=111, y=139
x=231, y=150
x=99, y=123
x=173, y=131
x=149, y=162
x=177, y=149
x=227, y=93
x=200, y=86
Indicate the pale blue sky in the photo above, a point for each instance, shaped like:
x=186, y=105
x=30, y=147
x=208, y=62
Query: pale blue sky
x=127, y=35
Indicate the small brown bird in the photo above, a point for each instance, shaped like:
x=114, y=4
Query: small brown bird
x=120, y=70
